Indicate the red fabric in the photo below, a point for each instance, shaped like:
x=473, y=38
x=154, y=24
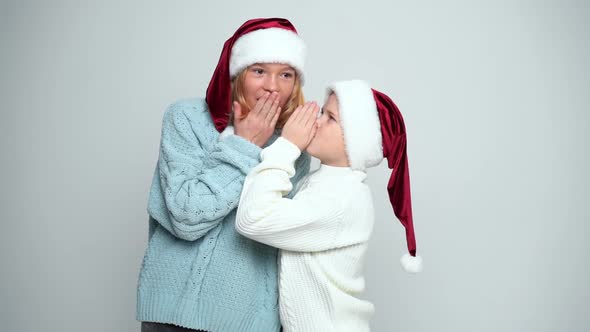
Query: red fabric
x=393, y=132
x=219, y=89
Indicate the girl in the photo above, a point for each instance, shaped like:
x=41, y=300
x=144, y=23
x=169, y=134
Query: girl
x=198, y=273
x=324, y=229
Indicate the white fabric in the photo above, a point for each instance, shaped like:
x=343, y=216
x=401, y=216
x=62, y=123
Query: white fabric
x=359, y=119
x=228, y=131
x=412, y=264
x=322, y=233
x=273, y=45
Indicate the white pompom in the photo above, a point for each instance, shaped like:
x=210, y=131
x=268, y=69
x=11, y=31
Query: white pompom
x=411, y=264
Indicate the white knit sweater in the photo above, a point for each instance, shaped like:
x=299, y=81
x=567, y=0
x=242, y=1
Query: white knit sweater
x=322, y=233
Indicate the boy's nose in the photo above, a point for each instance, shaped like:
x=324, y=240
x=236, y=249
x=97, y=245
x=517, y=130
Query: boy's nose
x=318, y=121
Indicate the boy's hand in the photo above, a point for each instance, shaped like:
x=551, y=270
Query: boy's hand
x=301, y=126
x=259, y=124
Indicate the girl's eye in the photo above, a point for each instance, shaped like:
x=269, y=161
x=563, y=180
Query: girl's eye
x=258, y=71
x=288, y=75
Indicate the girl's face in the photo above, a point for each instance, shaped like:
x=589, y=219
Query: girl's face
x=328, y=142
x=268, y=77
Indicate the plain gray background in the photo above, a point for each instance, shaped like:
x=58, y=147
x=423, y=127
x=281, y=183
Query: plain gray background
x=495, y=97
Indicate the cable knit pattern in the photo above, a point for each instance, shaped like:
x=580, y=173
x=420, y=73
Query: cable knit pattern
x=198, y=272
x=322, y=232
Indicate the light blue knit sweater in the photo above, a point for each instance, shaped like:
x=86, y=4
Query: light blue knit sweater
x=198, y=272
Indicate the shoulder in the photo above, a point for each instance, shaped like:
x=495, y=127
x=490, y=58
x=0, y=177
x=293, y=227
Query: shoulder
x=358, y=206
x=355, y=193
x=344, y=190
x=188, y=115
x=192, y=109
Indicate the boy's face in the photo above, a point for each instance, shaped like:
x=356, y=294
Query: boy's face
x=328, y=142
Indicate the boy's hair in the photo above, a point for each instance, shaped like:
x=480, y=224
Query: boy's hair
x=294, y=101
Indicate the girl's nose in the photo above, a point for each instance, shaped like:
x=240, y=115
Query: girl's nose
x=271, y=84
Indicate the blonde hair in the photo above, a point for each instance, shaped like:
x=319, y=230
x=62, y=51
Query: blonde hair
x=294, y=101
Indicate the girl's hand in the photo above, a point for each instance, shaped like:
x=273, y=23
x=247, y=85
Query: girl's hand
x=258, y=126
x=301, y=126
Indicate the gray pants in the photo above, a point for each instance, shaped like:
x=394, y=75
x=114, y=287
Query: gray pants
x=159, y=327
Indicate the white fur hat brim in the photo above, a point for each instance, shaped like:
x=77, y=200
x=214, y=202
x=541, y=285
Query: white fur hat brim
x=359, y=119
x=272, y=45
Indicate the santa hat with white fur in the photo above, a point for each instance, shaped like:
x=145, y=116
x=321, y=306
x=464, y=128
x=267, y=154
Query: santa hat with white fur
x=261, y=40
x=374, y=129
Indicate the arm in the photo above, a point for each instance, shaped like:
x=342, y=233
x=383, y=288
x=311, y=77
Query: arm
x=311, y=221
x=301, y=171
x=199, y=178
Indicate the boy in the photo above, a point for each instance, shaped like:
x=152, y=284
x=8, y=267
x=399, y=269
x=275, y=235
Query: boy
x=324, y=230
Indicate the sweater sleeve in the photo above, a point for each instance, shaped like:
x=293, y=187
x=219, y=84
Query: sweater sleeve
x=311, y=221
x=199, y=177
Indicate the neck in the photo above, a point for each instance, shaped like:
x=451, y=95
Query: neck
x=336, y=163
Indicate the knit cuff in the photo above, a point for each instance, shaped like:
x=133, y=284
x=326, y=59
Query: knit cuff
x=282, y=151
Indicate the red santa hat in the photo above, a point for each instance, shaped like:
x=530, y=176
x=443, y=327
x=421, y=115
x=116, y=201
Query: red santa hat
x=262, y=40
x=373, y=129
